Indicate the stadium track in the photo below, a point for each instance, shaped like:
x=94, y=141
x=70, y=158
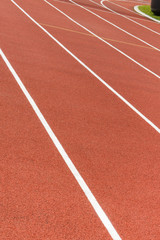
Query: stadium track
x=114, y=149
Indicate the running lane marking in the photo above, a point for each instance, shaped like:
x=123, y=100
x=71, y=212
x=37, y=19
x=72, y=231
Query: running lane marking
x=114, y=25
x=101, y=214
x=91, y=71
x=130, y=19
x=118, y=50
x=101, y=9
x=121, y=6
x=135, y=12
x=102, y=4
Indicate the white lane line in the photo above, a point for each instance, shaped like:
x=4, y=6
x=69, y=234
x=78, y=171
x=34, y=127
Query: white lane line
x=101, y=214
x=121, y=6
x=101, y=9
x=136, y=17
x=95, y=35
x=125, y=17
x=91, y=71
x=64, y=155
x=98, y=9
x=136, y=10
x=114, y=25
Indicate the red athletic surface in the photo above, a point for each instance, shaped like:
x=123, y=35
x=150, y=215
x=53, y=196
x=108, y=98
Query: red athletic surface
x=115, y=151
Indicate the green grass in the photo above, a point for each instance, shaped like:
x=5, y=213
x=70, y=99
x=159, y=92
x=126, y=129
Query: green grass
x=147, y=10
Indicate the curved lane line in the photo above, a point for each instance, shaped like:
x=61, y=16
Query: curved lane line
x=121, y=29
x=118, y=50
x=121, y=6
x=125, y=17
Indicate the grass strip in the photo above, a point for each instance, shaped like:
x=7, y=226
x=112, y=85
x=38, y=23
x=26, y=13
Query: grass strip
x=147, y=10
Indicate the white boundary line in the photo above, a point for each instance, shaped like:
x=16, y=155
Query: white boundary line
x=102, y=1
x=125, y=17
x=96, y=9
x=109, y=44
x=103, y=10
x=136, y=8
x=114, y=25
x=135, y=17
x=101, y=214
x=141, y=13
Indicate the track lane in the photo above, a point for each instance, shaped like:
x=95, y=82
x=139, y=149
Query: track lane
x=130, y=89
x=40, y=199
x=35, y=179
x=130, y=26
x=76, y=126
x=100, y=25
x=150, y=25
x=148, y=56
x=130, y=5
x=121, y=29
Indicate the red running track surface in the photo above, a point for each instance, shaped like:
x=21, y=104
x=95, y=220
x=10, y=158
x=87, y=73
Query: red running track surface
x=115, y=151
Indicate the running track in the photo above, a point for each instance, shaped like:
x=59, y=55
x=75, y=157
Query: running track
x=109, y=132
